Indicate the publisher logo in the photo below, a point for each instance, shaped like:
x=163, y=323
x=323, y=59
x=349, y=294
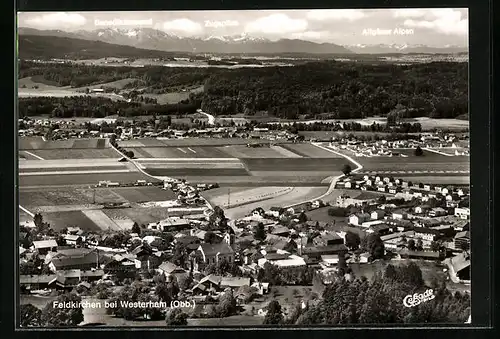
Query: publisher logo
x=417, y=299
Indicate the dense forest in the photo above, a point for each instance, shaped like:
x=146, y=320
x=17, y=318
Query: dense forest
x=380, y=301
x=97, y=107
x=341, y=90
x=321, y=90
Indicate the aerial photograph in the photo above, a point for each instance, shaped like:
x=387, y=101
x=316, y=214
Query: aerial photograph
x=243, y=168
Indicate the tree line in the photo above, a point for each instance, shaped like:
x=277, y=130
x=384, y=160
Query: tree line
x=97, y=107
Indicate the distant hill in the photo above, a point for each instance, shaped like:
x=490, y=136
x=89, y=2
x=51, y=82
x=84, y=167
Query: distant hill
x=47, y=47
x=405, y=49
x=152, y=39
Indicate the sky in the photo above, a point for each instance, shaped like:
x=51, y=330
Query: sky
x=432, y=27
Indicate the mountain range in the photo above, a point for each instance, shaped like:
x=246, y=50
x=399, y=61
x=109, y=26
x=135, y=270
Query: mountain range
x=152, y=39
x=405, y=49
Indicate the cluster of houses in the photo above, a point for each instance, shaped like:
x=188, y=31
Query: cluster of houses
x=407, y=190
x=84, y=260
x=437, y=232
x=394, y=148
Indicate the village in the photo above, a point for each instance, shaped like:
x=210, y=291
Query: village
x=255, y=257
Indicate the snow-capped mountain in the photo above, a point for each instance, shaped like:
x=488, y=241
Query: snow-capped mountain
x=148, y=38
x=404, y=48
x=241, y=38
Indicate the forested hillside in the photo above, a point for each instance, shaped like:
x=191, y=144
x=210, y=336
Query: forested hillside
x=322, y=90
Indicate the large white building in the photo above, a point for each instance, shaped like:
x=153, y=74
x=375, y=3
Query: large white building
x=462, y=212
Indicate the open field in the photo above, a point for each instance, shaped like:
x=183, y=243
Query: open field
x=191, y=142
x=38, y=144
x=183, y=172
x=178, y=152
x=101, y=220
x=118, y=84
x=61, y=93
x=295, y=196
x=53, y=197
x=211, y=142
x=60, y=220
x=172, y=97
x=71, y=169
x=141, y=215
x=144, y=194
x=310, y=151
x=36, y=86
x=223, y=191
x=242, y=151
x=429, y=123
x=141, y=143
x=89, y=153
x=295, y=164
x=26, y=155
x=436, y=163
x=319, y=174
x=79, y=196
x=254, y=181
x=79, y=179
x=80, y=163
x=436, y=179
x=248, y=196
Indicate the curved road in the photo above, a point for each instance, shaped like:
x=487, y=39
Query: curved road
x=211, y=118
x=331, y=188
x=139, y=167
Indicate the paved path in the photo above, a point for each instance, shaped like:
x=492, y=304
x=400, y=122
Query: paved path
x=34, y=155
x=27, y=212
x=438, y=152
x=211, y=118
x=415, y=172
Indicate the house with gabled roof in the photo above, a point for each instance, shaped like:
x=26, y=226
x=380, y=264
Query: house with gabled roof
x=358, y=219
x=168, y=269
x=213, y=254
x=462, y=240
x=45, y=246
